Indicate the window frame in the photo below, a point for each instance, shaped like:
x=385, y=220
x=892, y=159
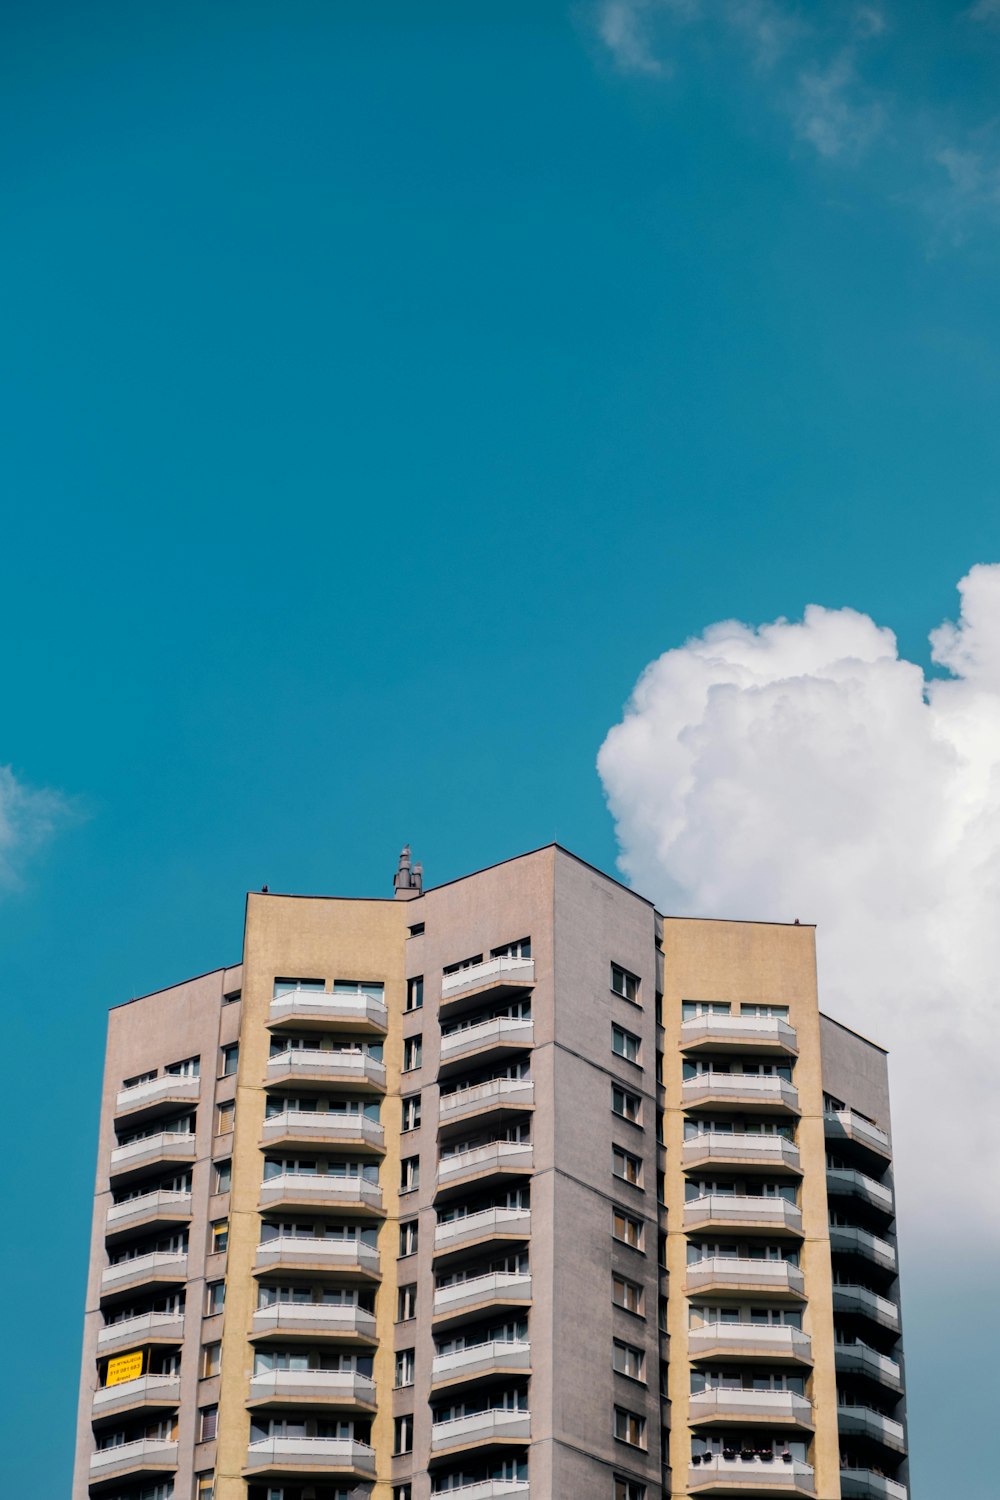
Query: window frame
x=629, y=980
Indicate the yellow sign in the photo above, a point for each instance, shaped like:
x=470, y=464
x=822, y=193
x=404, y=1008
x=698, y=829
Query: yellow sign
x=125, y=1367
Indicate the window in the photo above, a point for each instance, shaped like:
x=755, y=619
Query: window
x=626, y=1294
x=692, y=1009
x=628, y=1360
x=417, y=930
x=403, y=1435
x=776, y=1012
x=189, y=1068
x=409, y=1174
x=206, y=1487
x=406, y=1302
x=220, y=1236
x=411, y=1111
x=626, y=1229
x=404, y=1367
x=225, y=1116
x=230, y=1059
x=402, y=1491
x=215, y=1298
x=415, y=993
x=223, y=1178
x=658, y=1007
x=624, y=1044
x=466, y=963
x=408, y=1235
x=208, y=1423
x=625, y=1104
x=629, y=1489
x=521, y=949
x=232, y=997
x=211, y=1360
x=626, y=1166
x=131, y=1083
x=625, y=984
x=412, y=1053
x=630, y=1427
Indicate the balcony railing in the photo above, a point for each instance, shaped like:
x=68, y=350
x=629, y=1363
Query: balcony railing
x=758, y=1090
x=754, y=1475
x=316, y=1127
x=844, y=1124
x=497, y=1426
x=496, y=1093
x=146, y=1390
x=736, y=1209
x=497, y=1356
x=846, y=1182
x=865, y=1484
x=338, y=1192
x=490, y=1489
x=301, y=1252
x=859, y=1300
x=502, y=1031
x=315, y=1454
x=161, y=1205
x=720, y=1403
x=167, y=1146
x=158, y=1265
x=766, y=1340
x=862, y=1421
x=489, y=1223
x=495, y=1286
x=151, y=1327
x=130, y=1458
x=732, y=1273
x=332, y=1387
x=314, y=1318
x=769, y=1032
x=168, y=1088
x=336, y=1009
x=860, y=1359
x=741, y=1148
x=346, y=1065
x=498, y=1156
x=495, y=973
x=848, y=1240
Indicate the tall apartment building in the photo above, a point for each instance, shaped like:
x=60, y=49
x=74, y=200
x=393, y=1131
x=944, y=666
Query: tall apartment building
x=513, y=1189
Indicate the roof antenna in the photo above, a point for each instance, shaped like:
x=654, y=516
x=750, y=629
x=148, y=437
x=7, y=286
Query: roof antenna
x=407, y=882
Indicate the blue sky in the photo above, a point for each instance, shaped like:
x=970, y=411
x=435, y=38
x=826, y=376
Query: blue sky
x=383, y=387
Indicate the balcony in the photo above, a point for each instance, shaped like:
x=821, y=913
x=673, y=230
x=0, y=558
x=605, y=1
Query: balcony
x=480, y=1362
x=716, y=1475
x=866, y=1304
x=844, y=1126
x=169, y=1148
x=724, y=1273
x=860, y=1359
x=148, y=1328
x=152, y=1391
x=143, y=1101
x=496, y=1288
x=721, y=1404
x=502, y=1037
x=769, y=1153
x=301, y=1253
x=738, y=1034
x=749, y=1341
x=316, y=1319
x=864, y=1484
x=489, y=1489
x=309, y=1455
x=736, y=1211
x=303, y=1190
x=496, y=978
x=313, y=1388
x=146, y=1456
x=496, y=1426
x=350, y=1066
x=862, y=1421
x=474, y=1229
x=848, y=1240
x=317, y=1008
x=492, y=1097
x=759, y=1091
x=313, y=1128
x=160, y=1266
x=498, y=1159
x=149, y=1209
x=845, y=1182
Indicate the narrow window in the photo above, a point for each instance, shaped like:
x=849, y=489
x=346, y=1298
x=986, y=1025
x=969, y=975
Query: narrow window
x=415, y=993
x=408, y=1235
x=409, y=1174
x=206, y=1487
x=411, y=1111
x=625, y=984
x=225, y=1116
x=403, y=1435
x=230, y=1059
x=223, y=1176
x=208, y=1423
x=220, y=1236
x=406, y=1302
x=629, y=1489
x=215, y=1298
x=412, y=1053
x=404, y=1367
x=211, y=1360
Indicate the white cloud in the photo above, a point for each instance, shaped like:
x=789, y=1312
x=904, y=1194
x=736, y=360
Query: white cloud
x=29, y=816
x=828, y=111
x=807, y=770
x=984, y=10
x=622, y=25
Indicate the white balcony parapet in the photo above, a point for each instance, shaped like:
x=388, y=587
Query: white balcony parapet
x=865, y=1484
x=845, y=1122
x=175, y=1145
x=852, y=1240
x=777, y=1340
x=334, y=1386
x=161, y=1389
x=755, y=1030
x=506, y=970
x=495, y=1286
x=864, y=1421
x=323, y=1125
x=501, y=1031
x=167, y=1087
x=781, y=1406
x=303, y=1187
x=158, y=1264
x=152, y=1453
x=480, y=1359
x=146, y=1326
x=491, y=1489
x=302, y=1250
x=323, y=1006
x=489, y=1221
x=715, y=1471
x=498, y=1156
x=481, y=1426
x=319, y=1453
x=732, y=1271
x=861, y=1359
x=512, y=1093
x=757, y=1088
x=162, y=1202
x=733, y=1208
x=858, y=1299
x=858, y=1185
x=764, y=1150
x=352, y=1064
x=314, y=1317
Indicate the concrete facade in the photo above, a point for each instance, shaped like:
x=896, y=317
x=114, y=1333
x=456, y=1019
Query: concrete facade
x=513, y=1188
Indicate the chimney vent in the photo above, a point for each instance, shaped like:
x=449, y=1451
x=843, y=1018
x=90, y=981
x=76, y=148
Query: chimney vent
x=408, y=880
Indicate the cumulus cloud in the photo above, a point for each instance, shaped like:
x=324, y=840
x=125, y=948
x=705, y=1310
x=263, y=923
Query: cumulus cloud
x=805, y=769
x=623, y=30
x=29, y=816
